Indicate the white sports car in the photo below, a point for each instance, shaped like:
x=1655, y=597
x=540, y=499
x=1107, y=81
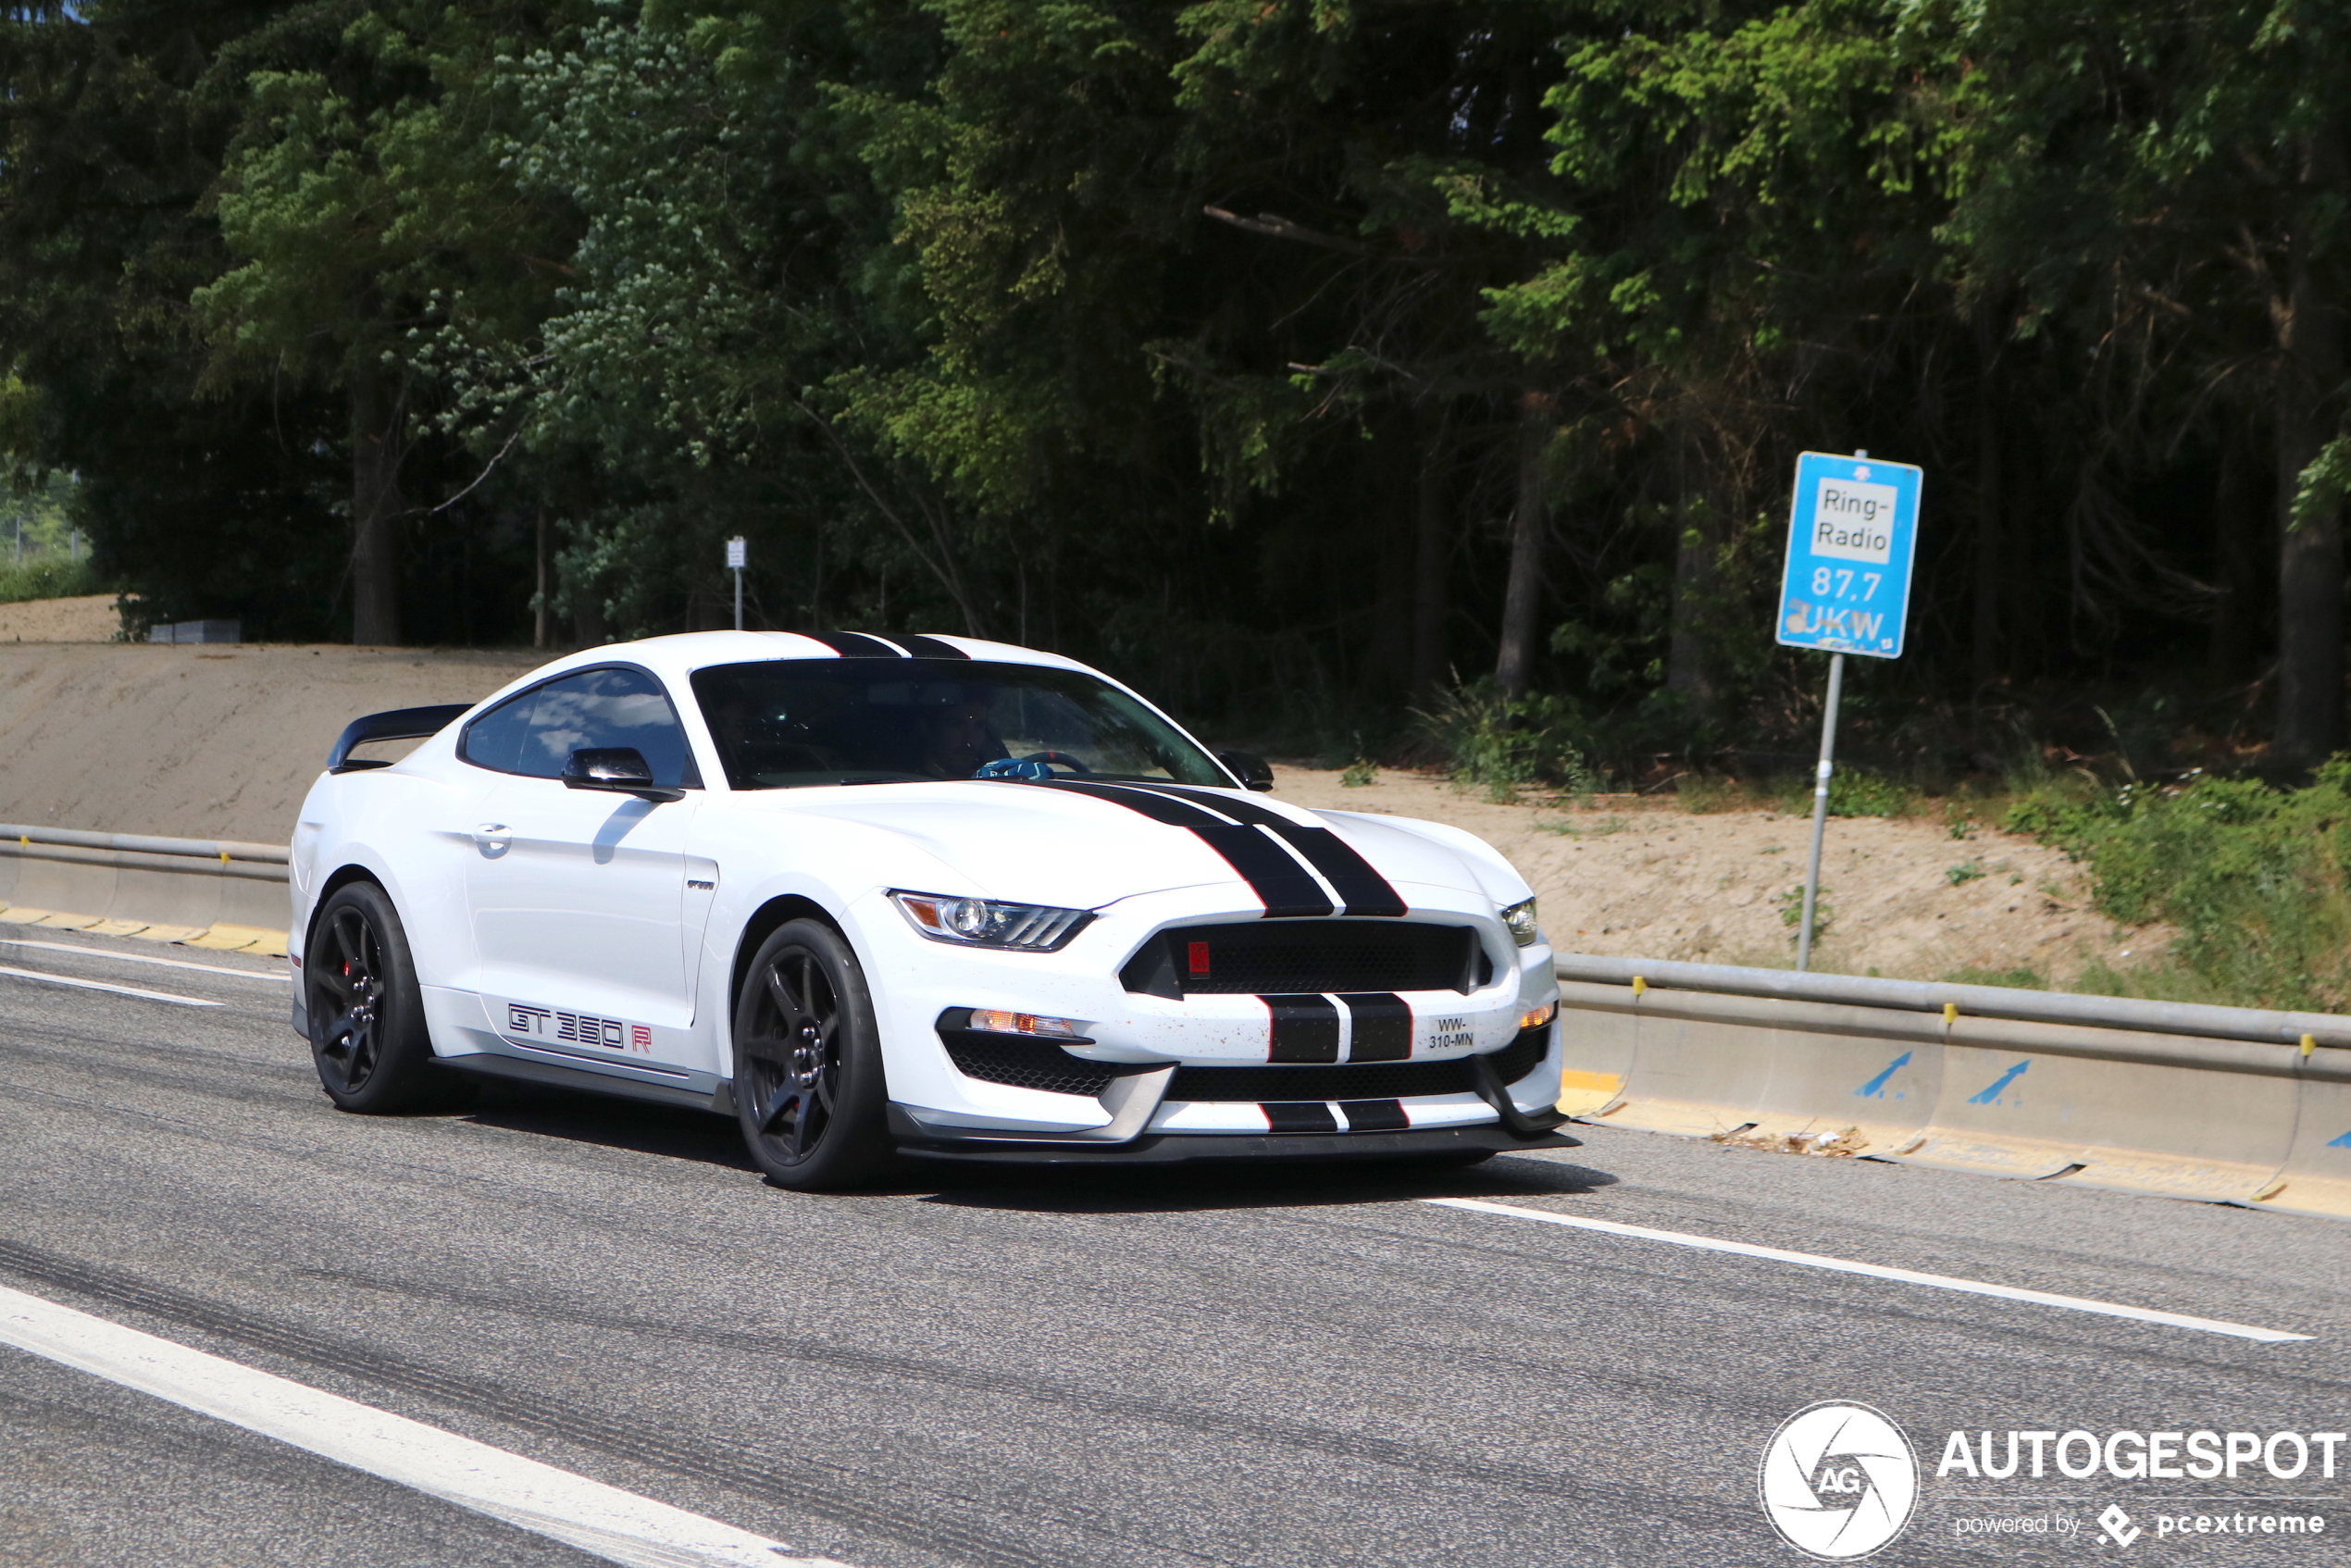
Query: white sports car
x=923, y=895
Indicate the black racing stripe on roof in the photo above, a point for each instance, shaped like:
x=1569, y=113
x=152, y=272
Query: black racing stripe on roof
x=1279, y=882
x=854, y=644
x=1357, y=881
x=929, y=647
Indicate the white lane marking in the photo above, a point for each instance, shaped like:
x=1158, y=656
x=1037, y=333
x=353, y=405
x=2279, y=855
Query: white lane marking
x=620, y=1526
x=113, y=957
x=1877, y=1271
x=108, y=986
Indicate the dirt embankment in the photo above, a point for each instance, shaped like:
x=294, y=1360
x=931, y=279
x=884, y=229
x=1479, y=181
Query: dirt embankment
x=223, y=742
x=1643, y=878
x=200, y=742
x=91, y=617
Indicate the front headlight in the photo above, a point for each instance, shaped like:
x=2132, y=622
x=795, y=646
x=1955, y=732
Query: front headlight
x=1022, y=927
x=1520, y=918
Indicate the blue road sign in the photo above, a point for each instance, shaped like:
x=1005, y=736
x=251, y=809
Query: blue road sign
x=1851, y=533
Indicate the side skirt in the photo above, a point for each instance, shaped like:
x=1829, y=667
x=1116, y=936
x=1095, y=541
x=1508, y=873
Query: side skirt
x=515, y=1069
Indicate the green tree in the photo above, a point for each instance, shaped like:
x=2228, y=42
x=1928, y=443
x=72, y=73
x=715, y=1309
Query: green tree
x=363, y=187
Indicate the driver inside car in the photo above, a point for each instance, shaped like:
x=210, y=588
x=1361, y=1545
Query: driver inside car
x=958, y=738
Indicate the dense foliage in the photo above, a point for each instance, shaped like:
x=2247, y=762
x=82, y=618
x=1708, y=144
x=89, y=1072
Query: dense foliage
x=2257, y=880
x=1305, y=360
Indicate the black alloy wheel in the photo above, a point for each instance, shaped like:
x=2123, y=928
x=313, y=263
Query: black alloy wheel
x=347, y=995
x=366, y=1016
x=808, y=1071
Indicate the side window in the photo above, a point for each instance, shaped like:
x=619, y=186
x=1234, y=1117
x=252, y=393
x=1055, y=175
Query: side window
x=535, y=732
x=495, y=741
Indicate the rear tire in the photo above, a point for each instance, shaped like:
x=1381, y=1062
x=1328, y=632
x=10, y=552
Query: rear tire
x=809, y=1087
x=367, y=1036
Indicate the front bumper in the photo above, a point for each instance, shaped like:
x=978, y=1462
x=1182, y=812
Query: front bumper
x=1146, y=1039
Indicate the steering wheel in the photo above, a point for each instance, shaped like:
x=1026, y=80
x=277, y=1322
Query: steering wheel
x=1064, y=758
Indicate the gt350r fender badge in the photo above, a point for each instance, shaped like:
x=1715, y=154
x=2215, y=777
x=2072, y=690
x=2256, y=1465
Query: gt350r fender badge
x=1838, y=1480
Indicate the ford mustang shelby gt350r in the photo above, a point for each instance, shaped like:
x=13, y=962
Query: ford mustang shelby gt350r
x=926, y=895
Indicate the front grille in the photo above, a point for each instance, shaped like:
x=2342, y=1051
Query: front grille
x=1294, y=957
x=1028, y=1063
x=1348, y=1081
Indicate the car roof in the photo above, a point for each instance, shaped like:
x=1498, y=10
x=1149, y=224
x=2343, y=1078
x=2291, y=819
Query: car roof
x=676, y=657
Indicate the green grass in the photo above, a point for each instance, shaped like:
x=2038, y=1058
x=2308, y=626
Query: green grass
x=1854, y=791
x=2256, y=879
x=52, y=577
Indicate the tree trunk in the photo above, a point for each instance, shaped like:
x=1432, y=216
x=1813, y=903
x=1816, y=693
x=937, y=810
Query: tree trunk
x=2240, y=520
x=2311, y=555
x=538, y=600
x=1432, y=556
x=1514, y=666
x=588, y=616
x=1395, y=467
x=378, y=414
x=1990, y=658
x=1688, y=650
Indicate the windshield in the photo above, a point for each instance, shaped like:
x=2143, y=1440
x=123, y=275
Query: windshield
x=783, y=723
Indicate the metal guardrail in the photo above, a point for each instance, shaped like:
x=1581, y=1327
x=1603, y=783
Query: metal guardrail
x=1983, y=1002
x=215, y=892
x=2226, y=1105
x=223, y=849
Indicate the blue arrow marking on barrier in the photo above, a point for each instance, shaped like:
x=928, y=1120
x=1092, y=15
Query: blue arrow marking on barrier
x=1993, y=1094
x=1875, y=1088
x=2343, y=1142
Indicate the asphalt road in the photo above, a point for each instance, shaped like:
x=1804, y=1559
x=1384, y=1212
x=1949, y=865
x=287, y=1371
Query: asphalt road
x=1082, y=1370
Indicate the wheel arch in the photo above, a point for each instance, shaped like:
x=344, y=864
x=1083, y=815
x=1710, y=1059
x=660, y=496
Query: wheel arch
x=764, y=921
x=341, y=878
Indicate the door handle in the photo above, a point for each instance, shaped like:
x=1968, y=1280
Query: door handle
x=496, y=833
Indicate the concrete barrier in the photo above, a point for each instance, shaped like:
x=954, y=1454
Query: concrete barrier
x=206, y=892
x=2217, y=1104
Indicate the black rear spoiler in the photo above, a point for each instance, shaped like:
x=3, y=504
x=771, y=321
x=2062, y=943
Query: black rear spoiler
x=400, y=724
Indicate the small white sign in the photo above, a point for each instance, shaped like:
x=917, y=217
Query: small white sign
x=1854, y=521
x=735, y=554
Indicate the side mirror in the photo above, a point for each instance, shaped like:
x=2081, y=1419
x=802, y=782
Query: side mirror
x=620, y=770
x=1253, y=771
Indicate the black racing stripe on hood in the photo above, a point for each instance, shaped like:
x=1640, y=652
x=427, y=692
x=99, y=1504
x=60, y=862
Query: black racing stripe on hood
x=1357, y=881
x=855, y=644
x=929, y=647
x=1279, y=882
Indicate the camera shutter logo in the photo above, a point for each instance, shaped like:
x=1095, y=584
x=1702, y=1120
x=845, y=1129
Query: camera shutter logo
x=1838, y=1480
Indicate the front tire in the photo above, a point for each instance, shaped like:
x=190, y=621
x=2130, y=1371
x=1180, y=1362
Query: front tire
x=367, y=1036
x=809, y=1088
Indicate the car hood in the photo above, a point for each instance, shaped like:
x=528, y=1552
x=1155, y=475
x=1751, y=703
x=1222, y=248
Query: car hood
x=1038, y=844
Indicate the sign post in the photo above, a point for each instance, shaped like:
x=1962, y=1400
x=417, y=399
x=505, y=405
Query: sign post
x=735, y=555
x=1852, y=530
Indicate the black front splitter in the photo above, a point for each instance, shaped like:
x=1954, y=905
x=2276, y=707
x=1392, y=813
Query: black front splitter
x=1176, y=1149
